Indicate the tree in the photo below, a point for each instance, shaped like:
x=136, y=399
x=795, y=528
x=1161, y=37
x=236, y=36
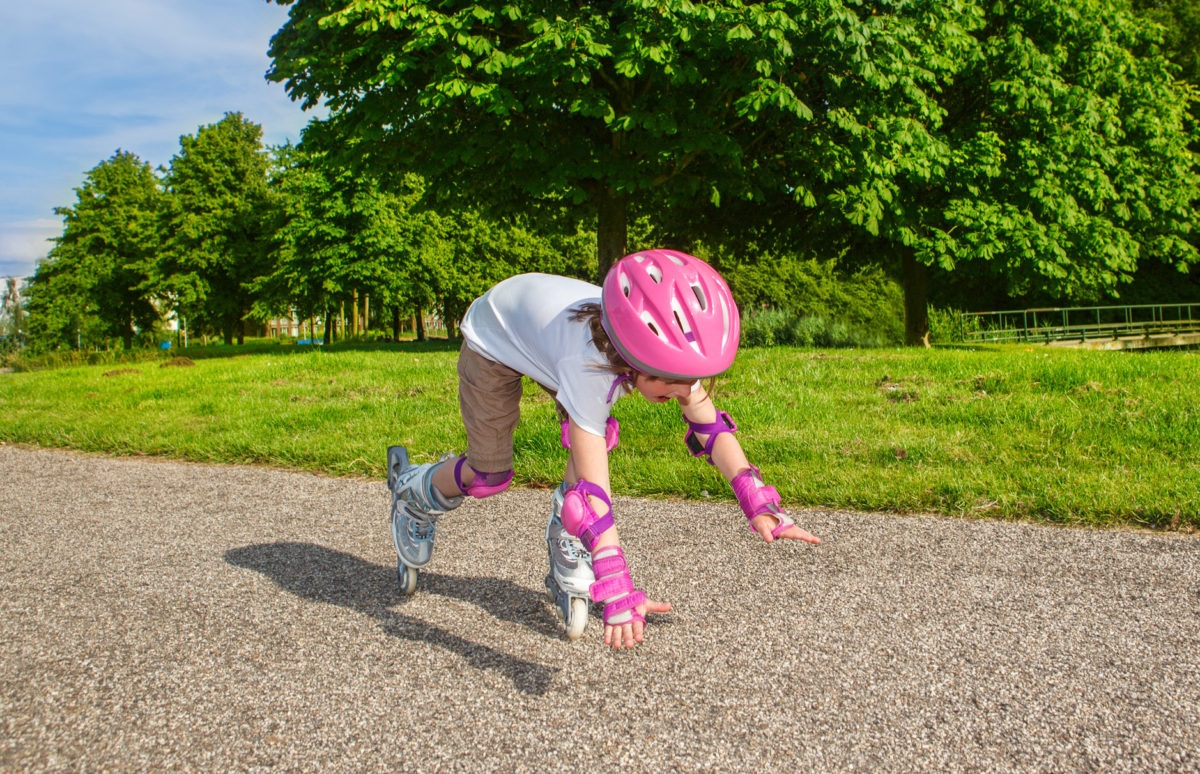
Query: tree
x=311, y=242
x=220, y=219
x=342, y=237
x=1041, y=144
x=99, y=277
x=505, y=104
x=1072, y=163
x=1180, y=20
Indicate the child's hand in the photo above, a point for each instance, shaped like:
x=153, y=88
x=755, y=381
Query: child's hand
x=765, y=523
x=630, y=634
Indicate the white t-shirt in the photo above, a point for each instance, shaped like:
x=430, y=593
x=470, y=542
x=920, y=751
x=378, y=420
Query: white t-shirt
x=524, y=323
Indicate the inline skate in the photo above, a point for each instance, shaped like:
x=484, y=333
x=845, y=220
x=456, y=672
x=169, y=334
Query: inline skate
x=570, y=576
x=416, y=506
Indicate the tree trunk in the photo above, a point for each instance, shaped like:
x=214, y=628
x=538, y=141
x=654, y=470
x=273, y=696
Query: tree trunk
x=366, y=315
x=396, y=324
x=354, y=321
x=611, y=230
x=420, y=324
x=916, y=313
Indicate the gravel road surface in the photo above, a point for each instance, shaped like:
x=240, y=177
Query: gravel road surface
x=165, y=616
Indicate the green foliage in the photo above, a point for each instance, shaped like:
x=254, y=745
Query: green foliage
x=338, y=235
x=1041, y=148
x=813, y=302
x=220, y=217
x=1043, y=143
x=99, y=279
x=342, y=233
x=1074, y=203
x=779, y=327
x=510, y=105
x=1180, y=20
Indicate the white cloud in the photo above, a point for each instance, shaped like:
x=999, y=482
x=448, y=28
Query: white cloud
x=86, y=78
x=22, y=245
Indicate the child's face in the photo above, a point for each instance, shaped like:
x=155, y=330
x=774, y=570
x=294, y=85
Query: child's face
x=658, y=390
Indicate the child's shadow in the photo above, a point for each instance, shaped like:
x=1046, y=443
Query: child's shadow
x=324, y=575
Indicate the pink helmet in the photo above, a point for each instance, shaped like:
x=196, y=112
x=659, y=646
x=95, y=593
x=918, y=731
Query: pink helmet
x=670, y=315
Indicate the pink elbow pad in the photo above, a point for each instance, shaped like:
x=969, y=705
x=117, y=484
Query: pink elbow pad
x=580, y=518
x=612, y=433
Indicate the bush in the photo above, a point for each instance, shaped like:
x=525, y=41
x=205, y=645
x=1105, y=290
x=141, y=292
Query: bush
x=814, y=303
x=949, y=326
x=771, y=327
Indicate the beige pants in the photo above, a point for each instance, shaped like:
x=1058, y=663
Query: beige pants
x=489, y=397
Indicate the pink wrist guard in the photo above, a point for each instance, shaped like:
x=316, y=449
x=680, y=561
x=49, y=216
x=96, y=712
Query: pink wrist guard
x=580, y=518
x=756, y=498
x=612, y=433
x=614, y=588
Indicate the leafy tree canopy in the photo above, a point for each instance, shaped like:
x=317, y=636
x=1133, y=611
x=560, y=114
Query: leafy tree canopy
x=98, y=280
x=505, y=103
x=221, y=222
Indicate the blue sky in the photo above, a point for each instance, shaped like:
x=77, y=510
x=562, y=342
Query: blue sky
x=80, y=79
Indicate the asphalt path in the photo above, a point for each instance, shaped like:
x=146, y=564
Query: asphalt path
x=158, y=616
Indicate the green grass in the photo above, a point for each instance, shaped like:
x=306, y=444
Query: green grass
x=1095, y=438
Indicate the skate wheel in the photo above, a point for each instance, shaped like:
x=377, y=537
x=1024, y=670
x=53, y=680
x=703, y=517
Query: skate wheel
x=577, y=618
x=406, y=577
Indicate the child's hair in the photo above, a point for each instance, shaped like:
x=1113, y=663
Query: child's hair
x=591, y=314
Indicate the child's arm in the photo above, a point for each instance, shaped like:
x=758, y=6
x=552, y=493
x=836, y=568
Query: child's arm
x=727, y=455
x=589, y=462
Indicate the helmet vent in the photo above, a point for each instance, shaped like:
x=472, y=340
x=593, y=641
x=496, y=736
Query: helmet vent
x=655, y=274
x=652, y=326
x=681, y=322
x=687, y=331
x=700, y=297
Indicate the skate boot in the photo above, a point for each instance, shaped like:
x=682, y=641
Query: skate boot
x=416, y=506
x=570, y=576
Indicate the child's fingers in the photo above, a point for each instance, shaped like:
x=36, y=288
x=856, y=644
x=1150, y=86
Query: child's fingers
x=765, y=523
x=655, y=607
x=795, y=533
x=620, y=636
x=630, y=634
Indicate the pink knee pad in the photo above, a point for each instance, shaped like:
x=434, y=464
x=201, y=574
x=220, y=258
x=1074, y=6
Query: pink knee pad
x=481, y=484
x=580, y=518
x=612, y=433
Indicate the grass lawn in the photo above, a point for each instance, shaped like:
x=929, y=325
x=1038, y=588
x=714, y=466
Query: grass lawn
x=1022, y=432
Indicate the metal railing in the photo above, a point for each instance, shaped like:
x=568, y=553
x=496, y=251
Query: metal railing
x=1082, y=323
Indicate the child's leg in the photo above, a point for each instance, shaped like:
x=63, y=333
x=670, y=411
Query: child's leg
x=489, y=397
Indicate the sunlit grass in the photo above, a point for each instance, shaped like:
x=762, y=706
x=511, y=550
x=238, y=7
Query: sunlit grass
x=1054, y=435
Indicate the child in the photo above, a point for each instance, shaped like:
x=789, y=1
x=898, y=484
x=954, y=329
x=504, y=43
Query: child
x=662, y=322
